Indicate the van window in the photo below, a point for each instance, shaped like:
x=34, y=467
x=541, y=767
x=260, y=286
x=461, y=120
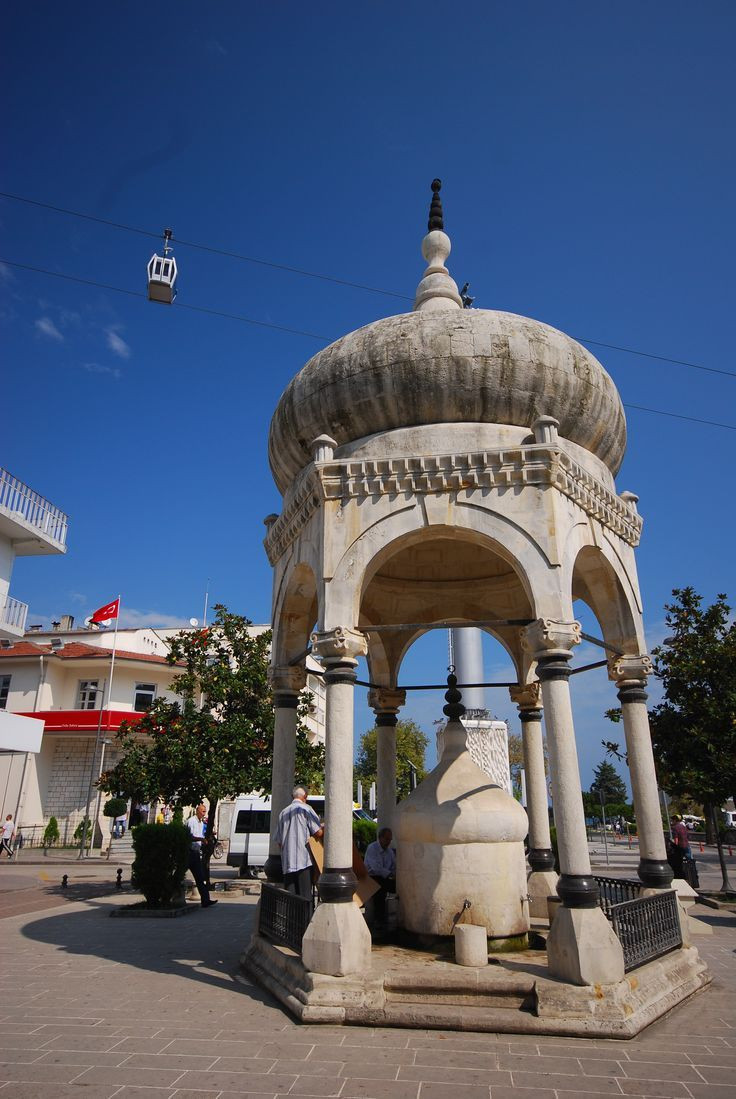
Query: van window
x=253, y=820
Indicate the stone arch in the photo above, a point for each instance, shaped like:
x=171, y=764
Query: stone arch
x=596, y=580
x=296, y=614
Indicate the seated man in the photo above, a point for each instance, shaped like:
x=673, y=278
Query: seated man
x=380, y=862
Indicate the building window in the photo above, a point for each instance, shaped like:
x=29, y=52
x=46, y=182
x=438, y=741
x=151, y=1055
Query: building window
x=4, y=689
x=88, y=694
x=144, y=696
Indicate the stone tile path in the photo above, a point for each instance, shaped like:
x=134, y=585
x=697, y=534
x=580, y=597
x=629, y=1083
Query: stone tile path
x=95, y=1008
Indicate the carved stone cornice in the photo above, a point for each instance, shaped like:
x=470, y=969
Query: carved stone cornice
x=287, y=678
x=548, y=638
x=635, y=668
x=386, y=700
x=339, y=646
x=348, y=479
x=528, y=697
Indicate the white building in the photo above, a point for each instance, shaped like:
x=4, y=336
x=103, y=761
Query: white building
x=60, y=677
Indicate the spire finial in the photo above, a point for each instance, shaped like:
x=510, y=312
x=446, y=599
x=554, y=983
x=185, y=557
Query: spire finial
x=436, y=220
x=438, y=289
x=454, y=708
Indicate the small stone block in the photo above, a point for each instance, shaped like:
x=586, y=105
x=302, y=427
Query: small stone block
x=471, y=945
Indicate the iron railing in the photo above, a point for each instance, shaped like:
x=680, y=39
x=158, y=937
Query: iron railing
x=284, y=916
x=647, y=927
x=13, y=614
x=617, y=890
x=18, y=499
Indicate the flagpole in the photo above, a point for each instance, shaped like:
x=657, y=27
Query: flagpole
x=106, y=688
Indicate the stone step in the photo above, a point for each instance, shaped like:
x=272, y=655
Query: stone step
x=480, y=989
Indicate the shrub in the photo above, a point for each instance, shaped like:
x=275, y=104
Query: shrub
x=51, y=832
x=364, y=832
x=115, y=807
x=161, y=857
x=82, y=828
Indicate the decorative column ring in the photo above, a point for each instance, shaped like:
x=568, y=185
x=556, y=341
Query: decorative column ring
x=528, y=699
x=338, y=651
x=550, y=643
x=287, y=682
x=630, y=675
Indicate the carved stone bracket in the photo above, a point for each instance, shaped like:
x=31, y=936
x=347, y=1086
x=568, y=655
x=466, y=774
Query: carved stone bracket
x=339, y=646
x=287, y=678
x=527, y=697
x=548, y=638
x=386, y=700
x=635, y=668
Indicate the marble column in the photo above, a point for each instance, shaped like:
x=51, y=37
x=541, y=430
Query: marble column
x=286, y=682
x=630, y=676
x=386, y=704
x=582, y=947
x=337, y=941
x=542, y=880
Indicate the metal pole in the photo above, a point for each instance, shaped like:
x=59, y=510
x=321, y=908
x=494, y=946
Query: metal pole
x=605, y=838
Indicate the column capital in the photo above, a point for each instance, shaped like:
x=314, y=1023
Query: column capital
x=339, y=646
x=549, y=638
x=632, y=668
x=287, y=678
x=528, y=696
x=386, y=700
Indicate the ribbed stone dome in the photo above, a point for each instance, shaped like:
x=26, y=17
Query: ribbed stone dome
x=446, y=365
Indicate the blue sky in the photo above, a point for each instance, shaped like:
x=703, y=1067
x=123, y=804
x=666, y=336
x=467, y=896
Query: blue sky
x=587, y=158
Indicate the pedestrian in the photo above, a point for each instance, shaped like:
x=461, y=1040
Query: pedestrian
x=679, y=846
x=7, y=832
x=195, y=825
x=118, y=825
x=380, y=862
x=297, y=822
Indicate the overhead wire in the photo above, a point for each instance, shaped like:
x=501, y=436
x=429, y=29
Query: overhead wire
x=327, y=278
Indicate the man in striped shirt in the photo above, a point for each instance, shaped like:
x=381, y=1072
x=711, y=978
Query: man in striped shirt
x=297, y=822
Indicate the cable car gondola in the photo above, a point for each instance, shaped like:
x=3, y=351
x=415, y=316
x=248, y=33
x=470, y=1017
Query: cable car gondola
x=162, y=274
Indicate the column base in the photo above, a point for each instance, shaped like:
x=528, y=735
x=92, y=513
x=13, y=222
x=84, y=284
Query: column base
x=578, y=890
x=540, y=885
x=337, y=941
x=655, y=873
x=583, y=948
x=541, y=858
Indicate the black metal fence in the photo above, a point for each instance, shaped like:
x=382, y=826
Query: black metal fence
x=647, y=927
x=617, y=890
x=284, y=917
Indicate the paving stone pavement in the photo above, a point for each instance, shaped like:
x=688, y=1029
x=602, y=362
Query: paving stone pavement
x=96, y=1008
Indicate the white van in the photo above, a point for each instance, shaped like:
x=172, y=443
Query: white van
x=252, y=826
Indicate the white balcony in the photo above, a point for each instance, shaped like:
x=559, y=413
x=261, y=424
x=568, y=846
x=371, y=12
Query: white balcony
x=30, y=522
x=13, y=616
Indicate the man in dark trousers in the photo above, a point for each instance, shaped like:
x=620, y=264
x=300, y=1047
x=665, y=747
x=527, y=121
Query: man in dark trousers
x=196, y=828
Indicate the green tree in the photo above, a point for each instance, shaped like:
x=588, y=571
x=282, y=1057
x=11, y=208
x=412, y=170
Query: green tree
x=608, y=784
x=216, y=740
x=694, y=728
x=411, y=745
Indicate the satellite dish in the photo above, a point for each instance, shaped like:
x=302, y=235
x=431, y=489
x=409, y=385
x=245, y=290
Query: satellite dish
x=193, y=621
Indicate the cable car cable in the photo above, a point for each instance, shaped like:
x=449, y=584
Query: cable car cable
x=296, y=331
x=337, y=281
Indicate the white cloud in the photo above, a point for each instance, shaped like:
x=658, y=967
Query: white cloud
x=98, y=368
x=6, y=275
x=132, y=617
x=214, y=46
x=117, y=344
x=47, y=327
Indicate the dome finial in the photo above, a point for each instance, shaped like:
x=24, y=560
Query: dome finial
x=436, y=220
x=437, y=290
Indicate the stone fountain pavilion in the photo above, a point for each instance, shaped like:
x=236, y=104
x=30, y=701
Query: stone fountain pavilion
x=456, y=466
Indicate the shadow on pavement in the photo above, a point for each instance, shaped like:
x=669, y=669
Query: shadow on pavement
x=204, y=946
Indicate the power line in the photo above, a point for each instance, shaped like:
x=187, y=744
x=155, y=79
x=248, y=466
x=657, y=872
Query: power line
x=292, y=331
x=206, y=247
x=329, y=278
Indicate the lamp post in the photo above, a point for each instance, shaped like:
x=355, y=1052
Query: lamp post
x=605, y=838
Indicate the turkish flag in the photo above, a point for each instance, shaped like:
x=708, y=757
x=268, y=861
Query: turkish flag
x=104, y=614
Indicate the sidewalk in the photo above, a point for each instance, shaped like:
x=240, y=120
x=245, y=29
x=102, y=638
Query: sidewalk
x=96, y=1008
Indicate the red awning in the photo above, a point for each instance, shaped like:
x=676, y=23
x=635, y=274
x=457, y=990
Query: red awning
x=84, y=722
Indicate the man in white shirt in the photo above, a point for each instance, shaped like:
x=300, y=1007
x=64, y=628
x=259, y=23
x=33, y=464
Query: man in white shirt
x=297, y=822
x=380, y=862
x=7, y=832
x=196, y=827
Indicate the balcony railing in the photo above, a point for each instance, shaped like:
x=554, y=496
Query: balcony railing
x=13, y=614
x=18, y=499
